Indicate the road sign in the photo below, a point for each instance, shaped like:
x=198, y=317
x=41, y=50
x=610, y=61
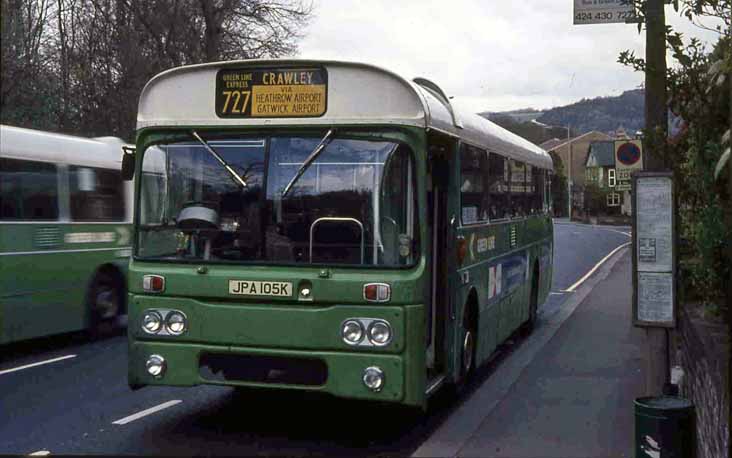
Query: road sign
x=628, y=155
x=603, y=11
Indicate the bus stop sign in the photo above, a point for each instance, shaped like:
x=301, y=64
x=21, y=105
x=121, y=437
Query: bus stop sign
x=603, y=12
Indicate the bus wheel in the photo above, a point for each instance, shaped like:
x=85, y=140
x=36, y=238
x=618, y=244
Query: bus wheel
x=467, y=347
x=468, y=350
x=105, y=301
x=530, y=324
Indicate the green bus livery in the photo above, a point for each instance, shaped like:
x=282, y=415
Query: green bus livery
x=327, y=226
x=65, y=233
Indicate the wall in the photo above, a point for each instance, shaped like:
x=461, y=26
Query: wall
x=704, y=355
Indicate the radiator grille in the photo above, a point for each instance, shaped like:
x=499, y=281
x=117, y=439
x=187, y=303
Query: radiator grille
x=47, y=237
x=263, y=369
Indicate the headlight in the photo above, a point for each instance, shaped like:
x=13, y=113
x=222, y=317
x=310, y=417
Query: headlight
x=176, y=323
x=352, y=332
x=373, y=378
x=379, y=333
x=151, y=322
x=155, y=366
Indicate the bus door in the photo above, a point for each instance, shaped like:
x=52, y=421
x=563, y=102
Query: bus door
x=441, y=154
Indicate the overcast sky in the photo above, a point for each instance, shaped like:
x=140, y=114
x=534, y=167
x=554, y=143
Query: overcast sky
x=491, y=55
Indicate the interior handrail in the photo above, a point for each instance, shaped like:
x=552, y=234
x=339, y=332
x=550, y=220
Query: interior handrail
x=334, y=218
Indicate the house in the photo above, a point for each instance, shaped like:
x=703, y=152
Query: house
x=601, y=170
x=576, y=148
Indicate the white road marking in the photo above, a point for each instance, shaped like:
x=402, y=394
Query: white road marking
x=7, y=371
x=40, y=453
x=619, y=232
x=146, y=412
x=602, y=228
x=556, y=294
x=597, y=266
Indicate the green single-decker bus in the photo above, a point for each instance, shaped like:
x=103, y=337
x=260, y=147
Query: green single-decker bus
x=65, y=233
x=327, y=226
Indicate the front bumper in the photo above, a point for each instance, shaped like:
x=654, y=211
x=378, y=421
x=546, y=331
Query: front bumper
x=247, y=334
x=344, y=370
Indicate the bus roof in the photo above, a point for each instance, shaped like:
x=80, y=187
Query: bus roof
x=37, y=145
x=357, y=93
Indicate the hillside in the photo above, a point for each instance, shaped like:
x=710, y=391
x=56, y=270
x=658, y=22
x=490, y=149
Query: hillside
x=605, y=114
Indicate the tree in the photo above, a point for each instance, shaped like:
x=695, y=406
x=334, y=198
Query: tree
x=87, y=61
x=559, y=190
x=26, y=85
x=699, y=90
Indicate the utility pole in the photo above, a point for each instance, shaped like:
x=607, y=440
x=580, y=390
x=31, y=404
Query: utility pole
x=657, y=345
x=729, y=256
x=569, y=176
x=656, y=108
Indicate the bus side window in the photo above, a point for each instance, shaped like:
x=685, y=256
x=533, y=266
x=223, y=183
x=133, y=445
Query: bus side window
x=547, y=191
x=154, y=185
x=529, y=208
x=28, y=190
x=473, y=190
x=519, y=198
x=96, y=194
x=498, y=187
x=536, y=189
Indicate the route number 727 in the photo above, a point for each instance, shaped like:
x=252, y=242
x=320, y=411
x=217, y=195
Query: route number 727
x=236, y=97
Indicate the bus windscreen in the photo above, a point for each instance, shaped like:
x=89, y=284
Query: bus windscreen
x=354, y=205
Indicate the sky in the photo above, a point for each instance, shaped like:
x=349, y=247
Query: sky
x=490, y=55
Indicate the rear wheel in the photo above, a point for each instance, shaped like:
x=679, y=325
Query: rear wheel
x=530, y=324
x=467, y=348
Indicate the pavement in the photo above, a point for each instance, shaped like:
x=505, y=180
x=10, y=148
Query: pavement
x=566, y=392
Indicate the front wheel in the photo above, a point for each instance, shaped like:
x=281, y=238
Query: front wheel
x=105, y=302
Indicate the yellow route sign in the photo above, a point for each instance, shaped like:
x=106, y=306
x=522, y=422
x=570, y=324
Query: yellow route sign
x=271, y=93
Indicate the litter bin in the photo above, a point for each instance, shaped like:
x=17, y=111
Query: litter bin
x=664, y=427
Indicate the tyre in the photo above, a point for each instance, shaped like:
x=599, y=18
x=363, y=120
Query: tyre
x=530, y=324
x=105, y=302
x=467, y=348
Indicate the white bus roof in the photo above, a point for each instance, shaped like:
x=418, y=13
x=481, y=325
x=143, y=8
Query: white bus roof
x=37, y=145
x=357, y=94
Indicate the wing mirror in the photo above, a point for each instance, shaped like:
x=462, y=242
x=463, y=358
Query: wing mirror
x=128, y=163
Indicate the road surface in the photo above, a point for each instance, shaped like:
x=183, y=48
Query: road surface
x=76, y=401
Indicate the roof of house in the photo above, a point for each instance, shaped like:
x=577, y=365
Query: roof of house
x=550, y=144
x=572, y=140
x=601, y=154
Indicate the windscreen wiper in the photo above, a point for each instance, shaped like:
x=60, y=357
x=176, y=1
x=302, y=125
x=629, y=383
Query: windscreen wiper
x=318, y=149
x=213, y=153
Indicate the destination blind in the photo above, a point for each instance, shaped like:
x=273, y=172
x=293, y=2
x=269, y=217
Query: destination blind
x=271, y=93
